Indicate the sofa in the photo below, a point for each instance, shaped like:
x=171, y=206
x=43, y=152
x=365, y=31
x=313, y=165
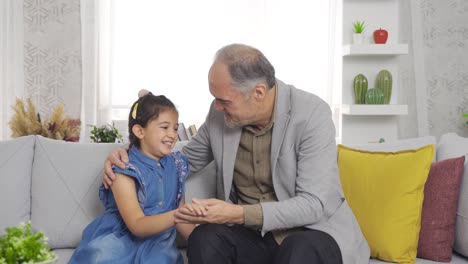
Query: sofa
x=55, y=185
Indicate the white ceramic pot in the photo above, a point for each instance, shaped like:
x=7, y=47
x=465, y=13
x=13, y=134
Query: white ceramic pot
x=358, y=38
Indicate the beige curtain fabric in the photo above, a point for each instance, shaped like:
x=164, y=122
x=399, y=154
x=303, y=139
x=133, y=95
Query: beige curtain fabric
x=95, y=32
x=11, y=60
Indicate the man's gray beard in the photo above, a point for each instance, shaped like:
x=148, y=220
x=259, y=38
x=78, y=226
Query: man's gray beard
x=230, y=124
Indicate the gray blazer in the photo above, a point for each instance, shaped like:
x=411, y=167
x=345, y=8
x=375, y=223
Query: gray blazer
x=303, y=164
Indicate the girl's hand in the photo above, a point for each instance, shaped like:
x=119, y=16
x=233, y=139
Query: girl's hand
x=195, y=209
x=216, y=212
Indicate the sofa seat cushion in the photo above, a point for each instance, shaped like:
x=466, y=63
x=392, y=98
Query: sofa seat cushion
x=65, y=182
x=16, y=157
x=63, y=254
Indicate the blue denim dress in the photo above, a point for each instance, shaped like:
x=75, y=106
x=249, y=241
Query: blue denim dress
x=160, y=187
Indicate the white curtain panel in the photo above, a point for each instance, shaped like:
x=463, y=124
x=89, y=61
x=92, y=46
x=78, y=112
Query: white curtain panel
x=440, y=46
x=167, y=47
x=335, y=43
x=96, y=56
x=11, y=60
x=419, y=68
x=335, y=40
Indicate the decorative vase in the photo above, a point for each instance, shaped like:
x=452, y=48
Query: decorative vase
x=384, y=82
x=360, y=89
x=375, y=96
x=358, y=38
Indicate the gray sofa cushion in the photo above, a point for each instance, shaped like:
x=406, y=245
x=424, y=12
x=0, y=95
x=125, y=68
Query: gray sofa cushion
x=16, y=157
x=63, y=255
x=201, y=184
x=65, y=181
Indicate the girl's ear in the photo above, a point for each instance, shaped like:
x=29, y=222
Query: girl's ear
x=138, y=131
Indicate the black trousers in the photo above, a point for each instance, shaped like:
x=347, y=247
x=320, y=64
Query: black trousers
x=223, y=244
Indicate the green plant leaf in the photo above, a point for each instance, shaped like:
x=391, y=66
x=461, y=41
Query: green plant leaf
x=105, y=134
x=358, y=26
x=23, y=244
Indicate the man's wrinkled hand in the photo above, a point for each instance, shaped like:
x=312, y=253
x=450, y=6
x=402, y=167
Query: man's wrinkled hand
x=117, y=157
x=217, y=212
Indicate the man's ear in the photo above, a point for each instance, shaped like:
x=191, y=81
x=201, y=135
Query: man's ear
x=260, y=90
x=138, y=131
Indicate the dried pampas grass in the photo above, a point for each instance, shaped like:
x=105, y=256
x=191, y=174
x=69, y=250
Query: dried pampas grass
x=26, y=121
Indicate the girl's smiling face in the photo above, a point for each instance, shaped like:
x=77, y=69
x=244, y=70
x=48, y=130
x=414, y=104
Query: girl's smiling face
x=158, y=138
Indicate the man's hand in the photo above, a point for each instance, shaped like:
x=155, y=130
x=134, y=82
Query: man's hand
x=117, y=157
x=217, y=212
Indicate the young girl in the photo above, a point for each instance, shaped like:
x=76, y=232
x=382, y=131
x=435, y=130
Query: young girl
x=138, y=223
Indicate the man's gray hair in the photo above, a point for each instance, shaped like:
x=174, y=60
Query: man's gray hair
x=247, y=66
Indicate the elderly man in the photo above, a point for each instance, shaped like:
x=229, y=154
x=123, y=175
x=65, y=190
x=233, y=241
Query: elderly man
x=279, y=195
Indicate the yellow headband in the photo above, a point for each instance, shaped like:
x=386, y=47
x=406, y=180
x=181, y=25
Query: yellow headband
x=134, y=112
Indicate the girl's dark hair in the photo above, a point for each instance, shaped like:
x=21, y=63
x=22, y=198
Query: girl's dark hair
x=149, y=107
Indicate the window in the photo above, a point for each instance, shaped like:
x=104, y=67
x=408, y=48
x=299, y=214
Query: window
x=167, y=47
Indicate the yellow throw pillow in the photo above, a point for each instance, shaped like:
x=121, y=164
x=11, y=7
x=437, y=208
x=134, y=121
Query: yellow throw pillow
x=385, y=190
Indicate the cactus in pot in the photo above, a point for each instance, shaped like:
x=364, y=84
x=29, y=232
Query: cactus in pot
x=384, y=82
x=360, y=89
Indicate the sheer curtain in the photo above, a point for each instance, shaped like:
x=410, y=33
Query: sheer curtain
x=96, y=57
x=11, y=60
x=167, y=47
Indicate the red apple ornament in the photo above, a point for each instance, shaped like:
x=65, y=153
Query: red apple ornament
x=380, y=36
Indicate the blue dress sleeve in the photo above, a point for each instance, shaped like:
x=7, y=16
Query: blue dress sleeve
x=182, y=167
x=133, y=172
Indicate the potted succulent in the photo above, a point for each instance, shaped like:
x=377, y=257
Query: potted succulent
x=22, y=244
x=106, y=134
x=358, y=28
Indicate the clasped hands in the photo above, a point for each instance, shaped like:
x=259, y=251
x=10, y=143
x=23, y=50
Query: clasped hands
x=202, y=211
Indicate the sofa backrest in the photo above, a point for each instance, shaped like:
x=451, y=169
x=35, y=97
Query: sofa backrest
x=16, y=158
x=201, y=184
x=65, y=180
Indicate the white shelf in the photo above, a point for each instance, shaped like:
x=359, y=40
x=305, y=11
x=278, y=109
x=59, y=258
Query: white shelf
x=384, y=109
x=375, y=49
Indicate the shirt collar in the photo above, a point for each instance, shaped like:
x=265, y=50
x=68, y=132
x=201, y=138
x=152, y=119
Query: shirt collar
x=150, y=162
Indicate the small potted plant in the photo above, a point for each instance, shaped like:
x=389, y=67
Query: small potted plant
x=22, y=244
x=106, y=134
x=358, y=28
